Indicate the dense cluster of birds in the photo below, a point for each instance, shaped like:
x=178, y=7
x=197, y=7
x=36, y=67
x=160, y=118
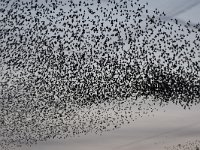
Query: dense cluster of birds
x=73, y=67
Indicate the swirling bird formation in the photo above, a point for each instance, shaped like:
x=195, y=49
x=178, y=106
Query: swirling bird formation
x=69, y=68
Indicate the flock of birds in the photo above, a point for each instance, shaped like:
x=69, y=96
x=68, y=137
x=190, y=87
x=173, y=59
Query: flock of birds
x=189, y=145
x=73, y=67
